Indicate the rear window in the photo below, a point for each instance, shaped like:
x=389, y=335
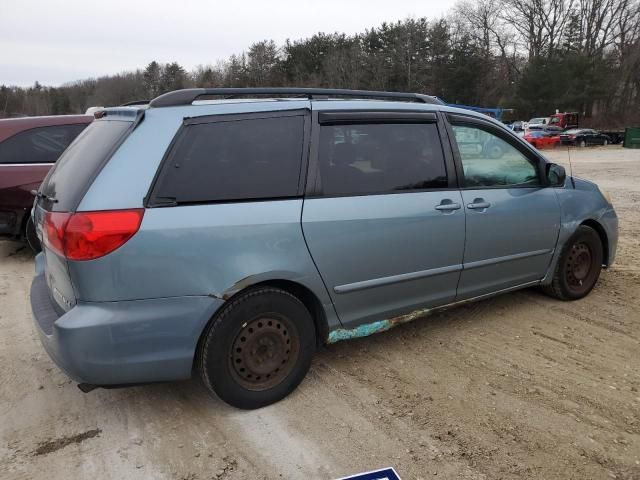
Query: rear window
x=68, y=181
x=233, y=161
x=38, y=145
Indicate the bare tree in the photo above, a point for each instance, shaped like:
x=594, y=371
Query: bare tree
x=262, y=61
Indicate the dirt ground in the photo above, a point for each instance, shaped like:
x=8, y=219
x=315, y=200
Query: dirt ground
x=519, y=386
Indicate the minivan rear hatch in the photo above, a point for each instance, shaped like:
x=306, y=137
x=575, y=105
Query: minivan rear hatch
x=65, y=186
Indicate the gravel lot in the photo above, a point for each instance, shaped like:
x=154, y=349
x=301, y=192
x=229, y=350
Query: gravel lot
x=519, y=386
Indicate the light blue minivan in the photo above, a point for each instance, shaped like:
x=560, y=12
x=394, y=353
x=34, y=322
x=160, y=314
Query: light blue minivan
x=233, y=231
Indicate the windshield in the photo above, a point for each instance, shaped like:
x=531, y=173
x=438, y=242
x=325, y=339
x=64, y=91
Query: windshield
x=536, y=121
x=573, y=131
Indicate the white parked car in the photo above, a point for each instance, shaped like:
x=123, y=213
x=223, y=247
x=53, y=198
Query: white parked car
x=538, y=123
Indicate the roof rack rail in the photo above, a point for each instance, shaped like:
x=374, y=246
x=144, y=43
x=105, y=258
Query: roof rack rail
x=188, y=95
x=134, y=103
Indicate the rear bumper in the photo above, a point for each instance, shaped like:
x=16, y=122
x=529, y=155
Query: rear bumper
x=116, y=343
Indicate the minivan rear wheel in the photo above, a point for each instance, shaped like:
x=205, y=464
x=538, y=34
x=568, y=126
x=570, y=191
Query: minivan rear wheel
x=578, y=267
x=258, y=348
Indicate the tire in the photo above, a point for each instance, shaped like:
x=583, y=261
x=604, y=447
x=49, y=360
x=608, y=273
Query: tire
x=605, y=142
x=258, y=348
x=495, y=152
x=578, y=267
x=582, y=143
x=31, y=236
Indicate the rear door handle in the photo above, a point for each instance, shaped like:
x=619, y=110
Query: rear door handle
x=478, y=205
x=447, y=207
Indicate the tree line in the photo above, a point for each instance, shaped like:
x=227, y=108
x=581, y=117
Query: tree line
x=531, y=55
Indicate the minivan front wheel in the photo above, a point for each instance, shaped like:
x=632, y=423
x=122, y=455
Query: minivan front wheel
x=258, y=348
x=578, y=267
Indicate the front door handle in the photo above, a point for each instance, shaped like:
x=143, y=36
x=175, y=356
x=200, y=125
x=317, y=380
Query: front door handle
x=478, y=204
x=448, y=207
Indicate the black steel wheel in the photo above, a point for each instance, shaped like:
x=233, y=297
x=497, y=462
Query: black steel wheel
x=578, y=267
x=258, y=348
x=264, y=352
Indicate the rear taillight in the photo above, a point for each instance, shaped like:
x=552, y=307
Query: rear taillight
x=90, y=235
x=53, y=230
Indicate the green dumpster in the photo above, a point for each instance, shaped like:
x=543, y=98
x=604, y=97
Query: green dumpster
x=632, y=137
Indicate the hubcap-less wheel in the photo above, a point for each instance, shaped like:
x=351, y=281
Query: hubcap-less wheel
x=579, y=268
x=264, y=352
x=258, y=347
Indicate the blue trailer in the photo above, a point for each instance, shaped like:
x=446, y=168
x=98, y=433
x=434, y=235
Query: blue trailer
x=492, y=112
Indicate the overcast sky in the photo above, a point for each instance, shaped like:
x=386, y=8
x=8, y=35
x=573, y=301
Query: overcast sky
x=57, y=41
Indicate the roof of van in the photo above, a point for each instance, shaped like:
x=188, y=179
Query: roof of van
x=198, y=102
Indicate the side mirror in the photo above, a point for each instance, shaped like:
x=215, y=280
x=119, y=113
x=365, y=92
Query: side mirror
x=556, y=175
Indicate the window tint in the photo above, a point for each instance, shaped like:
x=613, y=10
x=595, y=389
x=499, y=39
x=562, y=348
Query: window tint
x=234, y=160
x=38, y=145
x=489, y=161
x=78, y=165
x=380, y=158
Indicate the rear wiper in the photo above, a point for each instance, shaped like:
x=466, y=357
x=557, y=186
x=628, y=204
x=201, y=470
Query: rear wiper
x=164, y=202
x=49, y=198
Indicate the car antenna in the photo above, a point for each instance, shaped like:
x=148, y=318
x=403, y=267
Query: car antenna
x=573, y=182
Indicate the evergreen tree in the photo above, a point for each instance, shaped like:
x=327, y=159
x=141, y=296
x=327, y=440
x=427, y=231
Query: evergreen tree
x=152, y=83
x=173, y=77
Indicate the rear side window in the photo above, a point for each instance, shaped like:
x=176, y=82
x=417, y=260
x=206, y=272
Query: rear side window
x=75, y=170
x=233, y=160
x=380, y=158
x=38, y=145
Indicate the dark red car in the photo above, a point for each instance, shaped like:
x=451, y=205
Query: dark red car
x=29, y=147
